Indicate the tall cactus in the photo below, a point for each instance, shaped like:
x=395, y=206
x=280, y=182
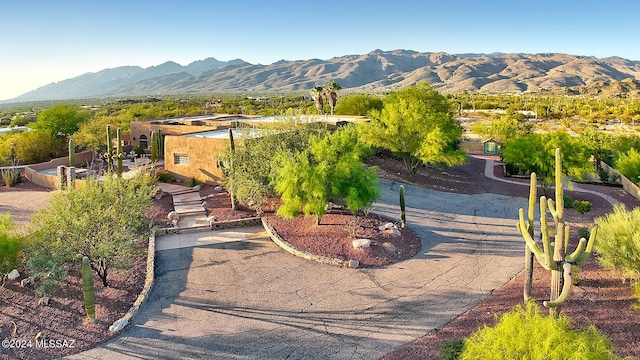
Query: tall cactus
x=403, y=214
x=528, y=256
x=154, y=146
x=160, y=144
x=109, y=150
x=554, y=256
x=72, y=153
x=88, y=290
x=232, y=149
x=119, y=155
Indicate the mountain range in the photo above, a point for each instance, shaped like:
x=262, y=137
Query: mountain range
x=376, y=71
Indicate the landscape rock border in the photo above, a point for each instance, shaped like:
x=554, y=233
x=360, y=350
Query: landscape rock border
x=275, y=237
x=121, y=323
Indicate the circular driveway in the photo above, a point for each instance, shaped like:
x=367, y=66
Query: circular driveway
x=245, y=298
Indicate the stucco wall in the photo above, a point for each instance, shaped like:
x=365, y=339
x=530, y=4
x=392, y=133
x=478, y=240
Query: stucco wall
x=147, y=127
x=627, y=184
x=203, y=154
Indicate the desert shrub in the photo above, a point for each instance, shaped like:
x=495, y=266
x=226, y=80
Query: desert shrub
x=528, y=334
x=568, y=201
x=10, y=177
x=47, y=271
x=165, y=177
x=10, y=250
x=193, y=181
x=628, y=164
x=452, y=349
x=618, y=241
x=581, y=206
x=584, y=233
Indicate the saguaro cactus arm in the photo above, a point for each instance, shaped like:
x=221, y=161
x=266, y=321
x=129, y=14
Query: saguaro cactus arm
x=566, y=287
x=584, y=249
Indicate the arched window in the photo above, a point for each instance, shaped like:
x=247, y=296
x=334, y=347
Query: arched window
x=143, y=142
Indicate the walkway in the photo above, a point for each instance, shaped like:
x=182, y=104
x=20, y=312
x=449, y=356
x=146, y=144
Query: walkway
x=188, y=206
x=245, y=298
x=489, y=172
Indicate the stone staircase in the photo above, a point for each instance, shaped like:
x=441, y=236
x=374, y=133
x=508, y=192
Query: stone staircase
x=187, y=203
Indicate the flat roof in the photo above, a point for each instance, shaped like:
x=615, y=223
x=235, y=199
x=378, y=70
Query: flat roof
x=238, y=133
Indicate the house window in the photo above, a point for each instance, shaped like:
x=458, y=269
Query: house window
x=181, y=159
x=143, y=141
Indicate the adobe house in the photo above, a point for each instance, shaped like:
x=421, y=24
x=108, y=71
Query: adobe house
x=193, y=145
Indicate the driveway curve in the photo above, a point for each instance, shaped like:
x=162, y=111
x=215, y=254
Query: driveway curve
x=249, y=299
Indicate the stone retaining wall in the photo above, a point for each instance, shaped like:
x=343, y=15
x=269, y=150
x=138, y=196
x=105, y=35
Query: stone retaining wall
x=121, y=323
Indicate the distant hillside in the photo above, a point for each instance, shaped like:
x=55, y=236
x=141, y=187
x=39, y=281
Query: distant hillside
x=376, y=71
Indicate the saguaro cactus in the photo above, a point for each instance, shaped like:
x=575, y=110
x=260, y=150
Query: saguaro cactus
x=154, y=146
x=119, y=155
x=528, y=256
x=403, y=214
x=88, y=290
x=160, y=144
x=72, y=153
x=554, y=256
x=232, y=149
x=109, y=150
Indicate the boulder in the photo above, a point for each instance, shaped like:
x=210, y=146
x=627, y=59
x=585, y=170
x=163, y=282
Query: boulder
x=395, y=231
x=389, y=247
x=361, y=243
x=26, y=281
x=43, y=301
x=14, y=274
x=353, y=264
x=389, y=225
x=118, y=325
x=196, y=188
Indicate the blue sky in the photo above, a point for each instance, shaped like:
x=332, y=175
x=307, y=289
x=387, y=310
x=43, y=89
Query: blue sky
x=47, y=41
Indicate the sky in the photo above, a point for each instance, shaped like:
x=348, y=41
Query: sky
x=44, y=41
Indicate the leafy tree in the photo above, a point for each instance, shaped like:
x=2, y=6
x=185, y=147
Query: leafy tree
x=628, y=164
x=30, y=147
x=60, y=120
x=331, y=169
x=416, y=124
x=331, y=94
x=502, y=129
x=599, y=145
x=536, y=153
x=358, y=104
x=254, y=157
x=102, y=221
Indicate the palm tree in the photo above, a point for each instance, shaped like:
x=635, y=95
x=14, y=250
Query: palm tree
x=316, y=93
x=330, y=93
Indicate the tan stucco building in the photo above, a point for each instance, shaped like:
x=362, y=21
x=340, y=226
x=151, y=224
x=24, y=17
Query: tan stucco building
x=193, y=145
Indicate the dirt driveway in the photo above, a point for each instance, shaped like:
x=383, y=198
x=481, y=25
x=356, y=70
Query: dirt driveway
x=22, y=201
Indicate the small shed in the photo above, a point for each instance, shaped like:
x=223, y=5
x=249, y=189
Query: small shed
x=491, y=146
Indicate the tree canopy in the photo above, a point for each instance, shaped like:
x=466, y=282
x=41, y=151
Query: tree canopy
x=102, y=221
x=60, y=120
x=331, y=169
x=416, y=123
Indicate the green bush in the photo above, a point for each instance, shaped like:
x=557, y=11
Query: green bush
x=165, y=177
x=452, y=349
x=618, y=241
x=527, y=334
x=581, y=206
x=10, y=249
x=568, y=201
x=628, y=164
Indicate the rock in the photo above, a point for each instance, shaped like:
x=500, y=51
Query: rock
x=395, y=231
x=43, y=301
x=217, y=188
x=172, y=215
x=26, y=281
x=382, y=228
x=196, y=188
x=389, y=247
x=361, y=243
x=389, y=225
x=14, y=274
x=118, y=325
x=354, y=264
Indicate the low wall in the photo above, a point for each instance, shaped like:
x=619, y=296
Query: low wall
x=627, y=184
x=51, y=181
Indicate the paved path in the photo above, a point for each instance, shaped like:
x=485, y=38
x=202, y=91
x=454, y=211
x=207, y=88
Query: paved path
x=22, y=204
x=245, y=298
